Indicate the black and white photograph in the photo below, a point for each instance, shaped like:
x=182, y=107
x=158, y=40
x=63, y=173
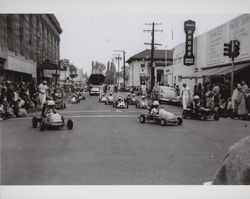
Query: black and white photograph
x=124, y=93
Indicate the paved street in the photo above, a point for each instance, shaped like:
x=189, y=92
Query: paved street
x=110, y=146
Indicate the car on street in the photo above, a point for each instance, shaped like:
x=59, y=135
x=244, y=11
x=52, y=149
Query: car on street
x=168, y=94
x=95, y=90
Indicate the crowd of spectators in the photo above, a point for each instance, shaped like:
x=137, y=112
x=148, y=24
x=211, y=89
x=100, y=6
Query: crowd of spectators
x=17, y=98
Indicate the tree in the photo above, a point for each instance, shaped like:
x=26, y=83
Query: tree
x=98, y=67
x=73, y=71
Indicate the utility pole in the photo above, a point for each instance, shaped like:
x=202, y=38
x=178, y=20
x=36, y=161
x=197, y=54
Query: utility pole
x=232, y=50
x=152, y=51
x=124, y=71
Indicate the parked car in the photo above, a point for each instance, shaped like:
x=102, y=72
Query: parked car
x=94, y=91
x=168, y=94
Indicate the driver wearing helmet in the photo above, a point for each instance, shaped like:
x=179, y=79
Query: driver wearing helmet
x=195, y=105
x=110, y=94
x=143, y=97
x=155, y=108
x=119, y=99
x=48, y=108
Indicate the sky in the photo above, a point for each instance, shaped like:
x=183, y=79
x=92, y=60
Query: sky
x=94, y=37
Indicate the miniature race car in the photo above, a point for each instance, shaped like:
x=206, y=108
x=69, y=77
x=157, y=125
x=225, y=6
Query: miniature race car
x=131, y=100
x=73, y=99
x=59, y=102
x=103, y=98
x=203, y=114
x=120, y=103
x=110, y=100
x=142, y=104
x=163, y=117
x=50, y=118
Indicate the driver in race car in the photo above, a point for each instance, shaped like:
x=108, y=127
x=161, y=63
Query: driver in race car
x=119, y=99
x=195, y=105
x=48, y=108
x=155, y=108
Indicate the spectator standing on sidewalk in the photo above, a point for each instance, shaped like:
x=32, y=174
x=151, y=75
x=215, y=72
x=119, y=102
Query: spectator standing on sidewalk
x=185, y=95
x=42, y=92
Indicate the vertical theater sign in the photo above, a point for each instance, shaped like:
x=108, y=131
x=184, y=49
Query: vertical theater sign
x=189, y=28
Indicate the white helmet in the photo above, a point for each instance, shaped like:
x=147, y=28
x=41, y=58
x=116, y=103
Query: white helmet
x=51, y=103
x=143, y=97
x=133, y=95
x=156, y=103
x=196, y=97
x=119, y=97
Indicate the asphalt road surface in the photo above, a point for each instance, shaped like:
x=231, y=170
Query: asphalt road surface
x=109, y=146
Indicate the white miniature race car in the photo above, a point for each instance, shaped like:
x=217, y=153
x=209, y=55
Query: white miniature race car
x=110, y=100
x=142, y=104
x=51, y=120
x=163, y=117
x=120, y=104
x=103, y=98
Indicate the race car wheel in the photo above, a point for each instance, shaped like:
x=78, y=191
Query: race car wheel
x=203, y=117
x=127, y=106
x=216, y=117
x=42, y=126
x=163, y=122
x=142, y=118
x=64, y=105
x=83, y=98
x=70, y=124
x=179, y=120
x=184, y=114
x=105, y=103
x=34, y=122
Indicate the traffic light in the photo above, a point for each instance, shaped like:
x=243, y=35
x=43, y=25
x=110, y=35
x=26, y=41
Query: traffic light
x=228, y=49
x=236, y=48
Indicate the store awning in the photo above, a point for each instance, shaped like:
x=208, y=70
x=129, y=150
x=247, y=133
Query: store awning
x=47, y=65
x=224, y=70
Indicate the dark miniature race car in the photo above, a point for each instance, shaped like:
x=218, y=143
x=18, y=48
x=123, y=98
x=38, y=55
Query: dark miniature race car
x=50, y=119
x=131, y=100
x=163, y=117
x=202, y=114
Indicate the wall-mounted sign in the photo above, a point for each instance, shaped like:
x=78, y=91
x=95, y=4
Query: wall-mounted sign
x=189, y=28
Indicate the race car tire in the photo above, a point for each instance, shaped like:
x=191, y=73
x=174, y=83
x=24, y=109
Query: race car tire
x=203, y=117
x=142, y=118
x=34, y=122
x=105, y=103
x=64, y=105
x=216, y=117
x=179, y=120
x=42, y=126
x=163, y=122
x=127, y=106
x=70, y=124
x=184, y=114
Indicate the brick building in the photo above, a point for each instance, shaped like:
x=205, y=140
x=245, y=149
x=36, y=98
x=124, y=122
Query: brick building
x=29, y=46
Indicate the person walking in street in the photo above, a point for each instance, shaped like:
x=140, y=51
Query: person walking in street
x=234, y=99
x=185, y=96
x=42, y=92
x=241, y=104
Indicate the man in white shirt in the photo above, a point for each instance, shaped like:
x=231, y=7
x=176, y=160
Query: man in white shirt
x=185, y=95
x=42, y=92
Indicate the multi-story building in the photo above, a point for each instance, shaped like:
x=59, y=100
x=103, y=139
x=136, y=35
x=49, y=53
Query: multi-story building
x=210, y=63
x=29, y=46
x=140, y=70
